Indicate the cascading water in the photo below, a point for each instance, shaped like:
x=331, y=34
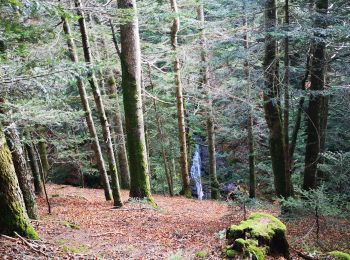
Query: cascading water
x=196, y=172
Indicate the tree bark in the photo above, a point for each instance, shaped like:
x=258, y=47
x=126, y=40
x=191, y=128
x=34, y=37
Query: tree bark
x=13, y=217
x=19, y=163
x=318, y=72
x=214, y=184
x=286, y=101
x=88, y=116
x=43, y=152
x=100, y=107
x=131, y=85
x=250, y=119
x=271, y=104
x=38, y=186
x=180, y=103
x=111, y=87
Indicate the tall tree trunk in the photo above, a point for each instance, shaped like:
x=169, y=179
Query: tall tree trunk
x=38, y=186
x=299, y=114
x=250, y=119
x=88, y=116
x=43, y=152
x=131, y=85
x=214, y=184
x=111, y=87
x=271, y=103
x=19, y=163
x=100, y=107
x=180, y=103
x=318, y=72
x=162, y=140
x=286, y=101
x=13, y=217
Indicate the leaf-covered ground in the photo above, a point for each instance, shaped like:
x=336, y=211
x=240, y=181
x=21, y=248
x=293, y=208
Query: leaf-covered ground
x=83, y=225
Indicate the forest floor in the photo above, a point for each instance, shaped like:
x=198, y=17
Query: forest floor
x=84, y=226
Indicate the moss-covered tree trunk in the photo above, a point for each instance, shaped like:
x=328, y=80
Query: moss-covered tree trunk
x=13, y=217
x=88, y=115
x=271, y=104
x=19, y=163
x=180, y=103
x=100, y=107
x=38, y=185
x=131, y=85
x=42, y=147
x=314, y=111
x=111, y=87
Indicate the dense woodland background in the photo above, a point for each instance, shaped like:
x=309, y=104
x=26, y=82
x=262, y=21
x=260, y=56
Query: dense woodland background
x=100, y=94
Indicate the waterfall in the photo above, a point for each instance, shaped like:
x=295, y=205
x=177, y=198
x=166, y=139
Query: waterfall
x=196, y=172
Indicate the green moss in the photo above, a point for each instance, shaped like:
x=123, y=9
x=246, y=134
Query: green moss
x=230, y=253
x=69, y=224
x=258, y=252
x=201, y=254
x=56, y=195
x=340, y=255
x=259, y=225
x=76, y=249
x=260, y=234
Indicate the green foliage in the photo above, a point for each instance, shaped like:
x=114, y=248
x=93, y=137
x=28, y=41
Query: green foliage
x=307, y=202
x=339, y=255
x=202, y=254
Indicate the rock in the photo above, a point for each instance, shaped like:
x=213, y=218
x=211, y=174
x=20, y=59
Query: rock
x=260, y=235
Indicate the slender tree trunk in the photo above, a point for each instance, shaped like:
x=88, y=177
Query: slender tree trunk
x=119, y=132
x=38, y=186
x=271, y=104
x=43, y=152
x=88, y=116
x=286, y=102
x=19, y=163
x=100, y=108
x=299, y=114
x=13, y=217
x=162, y=141
x=131, y=85
x=180, y=103
x=214, y=184
x=250, y=119
x=318, y=72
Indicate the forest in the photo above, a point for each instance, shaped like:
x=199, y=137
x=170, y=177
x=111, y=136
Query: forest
x=175, y=129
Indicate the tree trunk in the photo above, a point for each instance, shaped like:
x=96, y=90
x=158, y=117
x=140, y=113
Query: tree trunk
x=286, y=102
x=88, y=116
x=43, y=152
x=318, y=72
x=131, y=85
x=250, y=119
x=13, y=217
x=162, y=141
x=214, y=184
x=19, y=163
x=271, y=104
x=119, y=133
x=300, y=110
x=180, y=103
x=100, y=107
x=38, y=186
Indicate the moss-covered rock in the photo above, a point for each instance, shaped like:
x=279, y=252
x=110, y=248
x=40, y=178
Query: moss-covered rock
x=259, y=235
x=339, y=255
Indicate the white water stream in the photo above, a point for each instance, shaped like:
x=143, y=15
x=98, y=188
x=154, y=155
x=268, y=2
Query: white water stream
x=196, y=172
